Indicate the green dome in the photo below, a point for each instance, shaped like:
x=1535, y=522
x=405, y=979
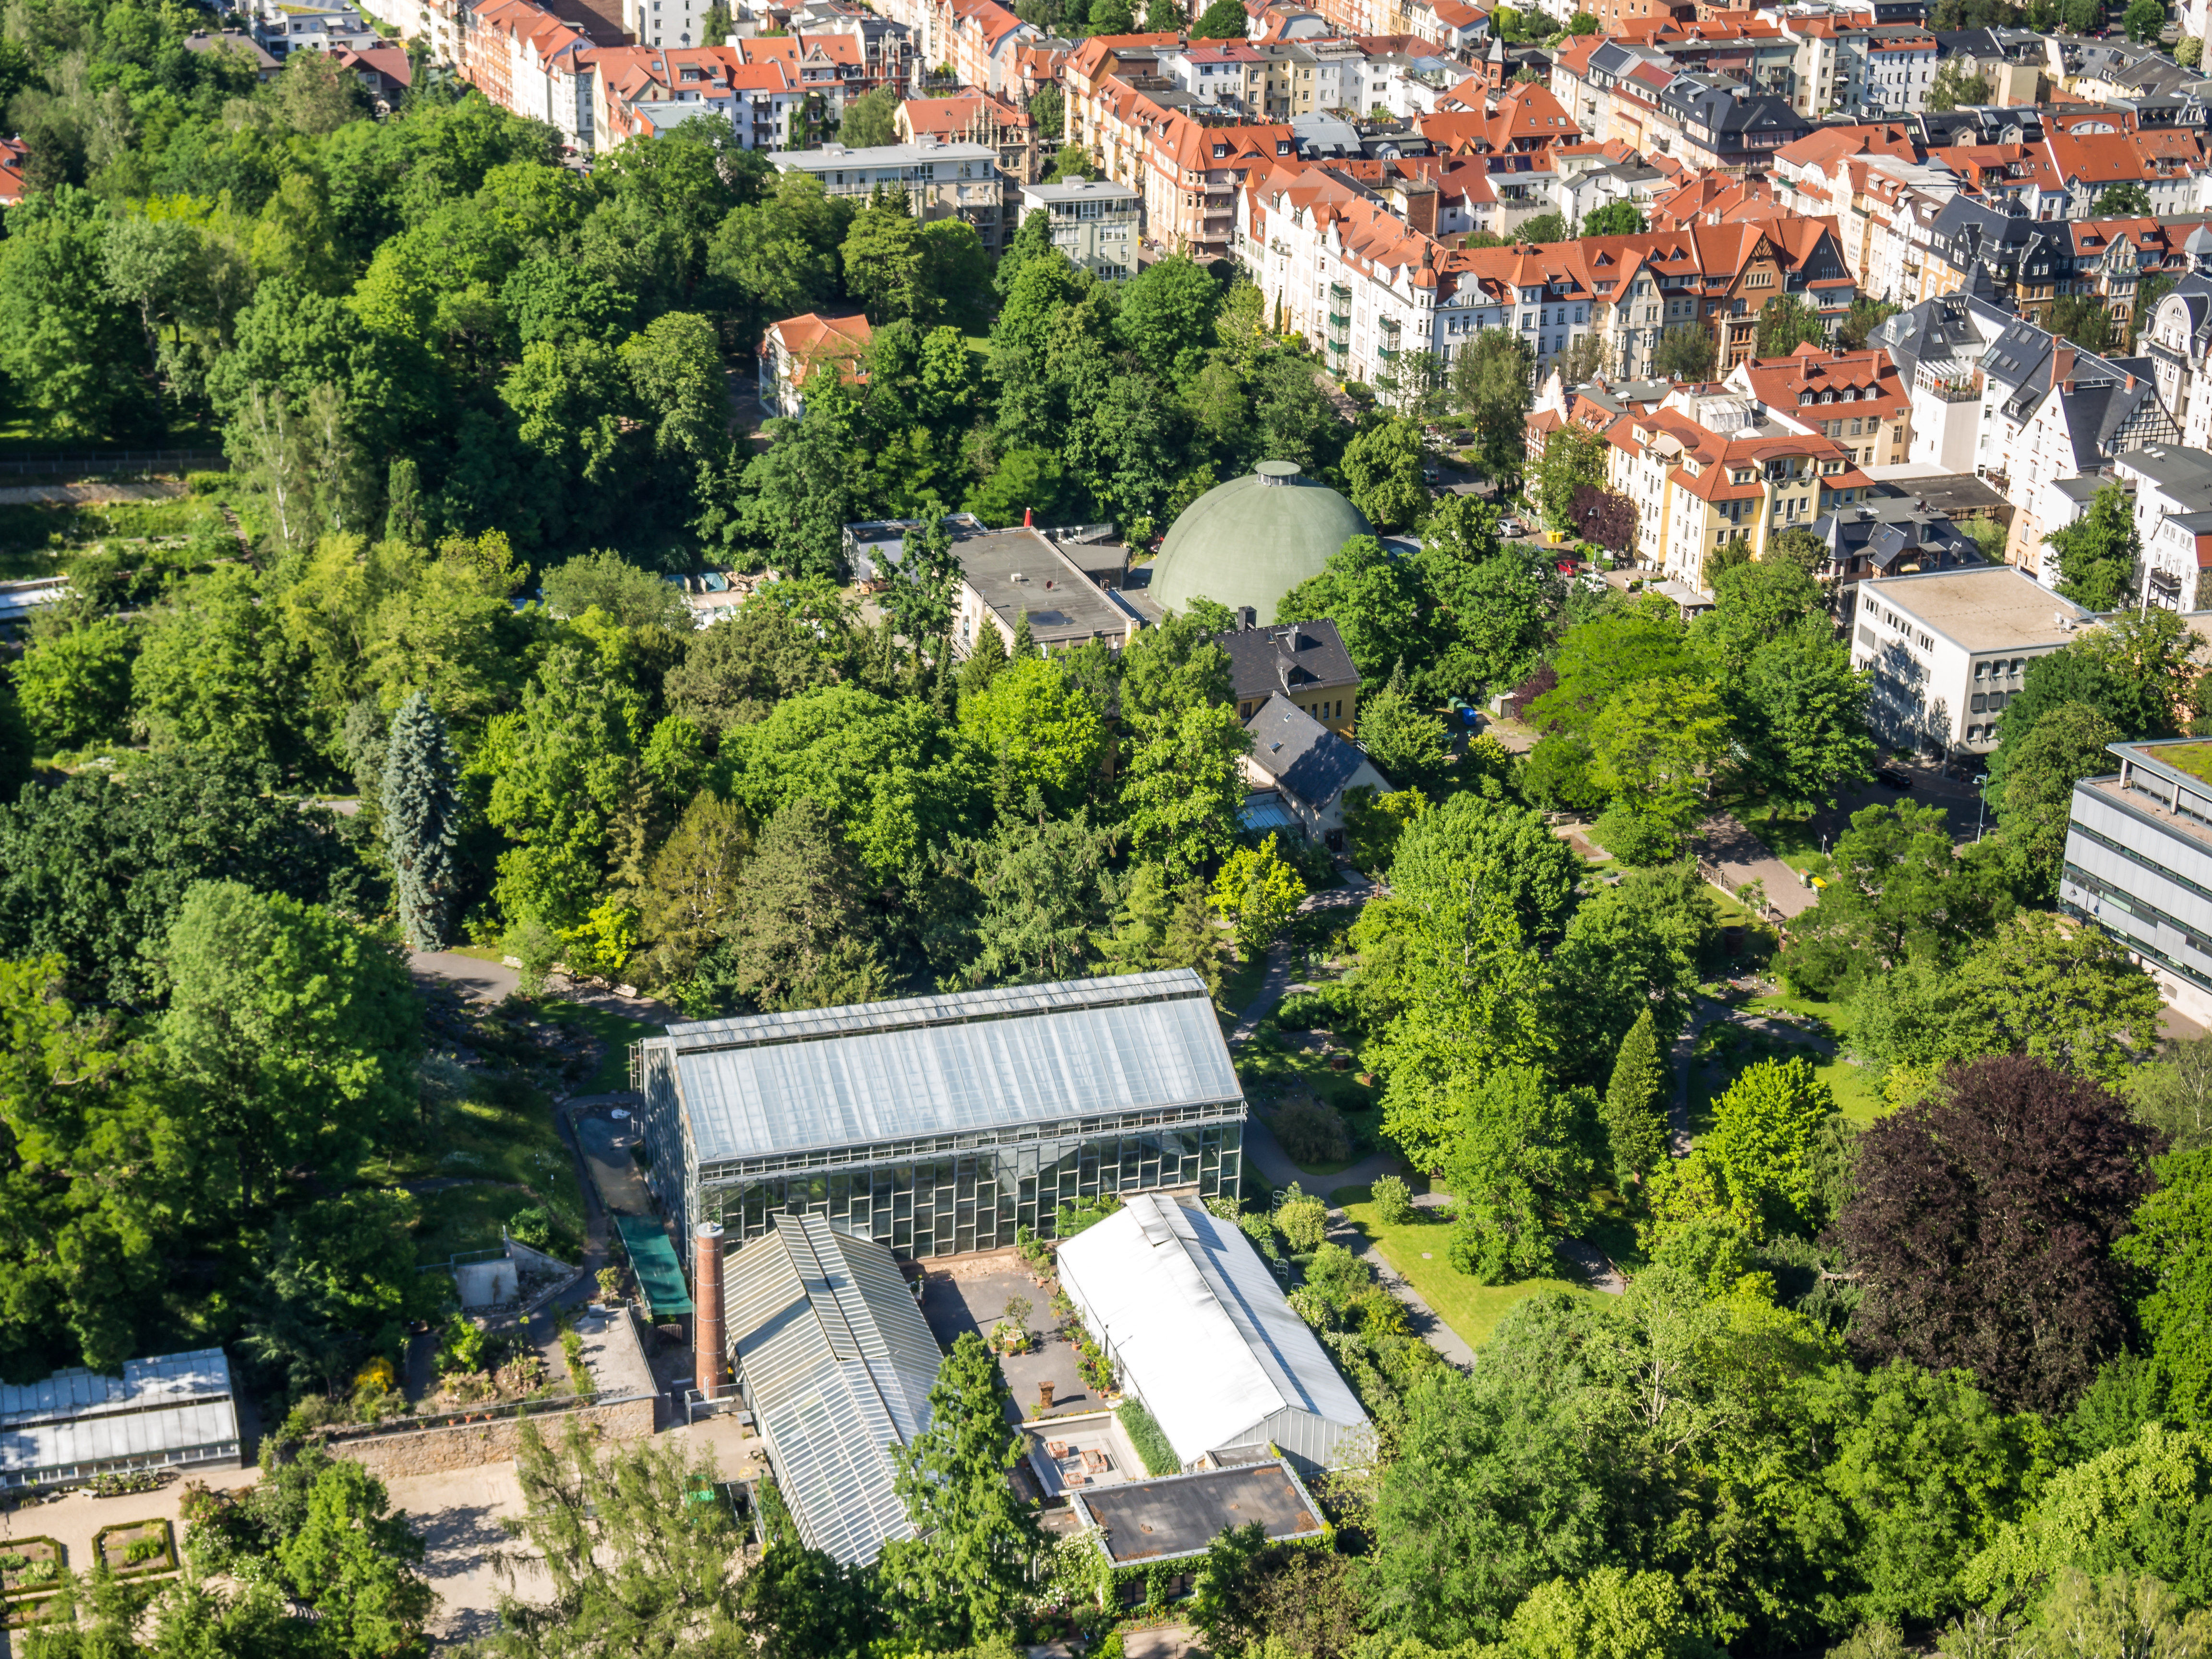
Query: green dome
x=1253, y=539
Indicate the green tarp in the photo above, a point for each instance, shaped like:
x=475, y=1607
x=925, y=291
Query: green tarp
x=654, y=1263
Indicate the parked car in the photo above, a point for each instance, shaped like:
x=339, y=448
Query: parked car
x=1891, y=776
x=1512, y=527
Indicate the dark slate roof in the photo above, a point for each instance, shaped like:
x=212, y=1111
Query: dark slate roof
x=1886, y=530
x=1286, y=658
x=1713, y=105
x=1300, y=754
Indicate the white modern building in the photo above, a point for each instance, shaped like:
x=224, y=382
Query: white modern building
x=1095, y=221
x=2139, y=864
x=1200, y=1332
x=2172, y=488
x=1947, y=650
x=941, y=180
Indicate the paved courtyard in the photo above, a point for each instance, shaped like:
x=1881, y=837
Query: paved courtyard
x=971, y=1293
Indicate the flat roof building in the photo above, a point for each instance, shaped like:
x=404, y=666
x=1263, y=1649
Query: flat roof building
x=1181, y=1515
x=1095, y=222
x=937, y=1125
x=1947, y=650
x=1200, y=1332
x=2139, y=864
x=835, y=1363
x=174, y=1411
x=1005, y=574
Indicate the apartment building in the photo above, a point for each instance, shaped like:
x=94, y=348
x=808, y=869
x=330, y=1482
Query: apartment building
x=1944, y=651
x=1854, y=398
x=2138, y=864
x=976, y=118
x=281, y=29
x=941, y=180
x=2177, y=338
x=794, y=350
x=1712, y=466
x=754, y=84
x=1095, y=222
x=2173, y=490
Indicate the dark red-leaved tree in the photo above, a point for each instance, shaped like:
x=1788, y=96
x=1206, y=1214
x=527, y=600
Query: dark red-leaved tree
x=1606, y=516
x=1984, y=1224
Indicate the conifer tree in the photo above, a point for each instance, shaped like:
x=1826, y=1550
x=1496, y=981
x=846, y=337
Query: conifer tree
x=1024, y=643
x=1192, y=941
x=1635, y=1109
x=956, y=1581
x=422, y=821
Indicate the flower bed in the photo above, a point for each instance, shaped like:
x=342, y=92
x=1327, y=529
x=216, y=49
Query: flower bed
x=137, y=1547
x=29, y=1566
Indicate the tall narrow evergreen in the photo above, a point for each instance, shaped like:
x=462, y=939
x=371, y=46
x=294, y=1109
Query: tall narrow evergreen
x=1635, y=1103
x=422, y=821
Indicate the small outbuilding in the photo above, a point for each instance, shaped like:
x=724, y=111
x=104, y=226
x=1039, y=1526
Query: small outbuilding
x=835, y=1363
x=1200, y=1332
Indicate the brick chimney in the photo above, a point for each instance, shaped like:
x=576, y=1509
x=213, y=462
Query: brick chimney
x=2062, y=367
x=706, y=1307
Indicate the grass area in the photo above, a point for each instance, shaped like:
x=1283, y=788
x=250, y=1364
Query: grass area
x=464, y=1219
x=615, y=1030
x=507, y=1145
x=1238, y=987
x=1856, y=1097
x=1472, y=1309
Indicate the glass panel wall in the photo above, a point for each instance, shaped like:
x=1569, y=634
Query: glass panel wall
x=974, y=1200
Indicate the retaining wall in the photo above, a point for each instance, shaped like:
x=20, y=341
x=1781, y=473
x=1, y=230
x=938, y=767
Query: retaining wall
x=466, y=1445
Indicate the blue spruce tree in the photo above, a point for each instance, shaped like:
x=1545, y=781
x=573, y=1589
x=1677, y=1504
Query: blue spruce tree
x=422, y=821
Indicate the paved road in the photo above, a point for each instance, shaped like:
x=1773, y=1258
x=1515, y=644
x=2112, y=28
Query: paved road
x=472, y=975
x=1741, y=857
x=88, y=495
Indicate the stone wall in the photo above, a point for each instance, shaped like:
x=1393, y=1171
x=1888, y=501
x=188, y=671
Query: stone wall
x=465, y=1445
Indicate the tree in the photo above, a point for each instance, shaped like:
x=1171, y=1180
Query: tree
x=421, y=822
x=885, y=261
x=1166, y=316
x=1984, y=1224
x=804, y=939
x=2171, y=1245
x=967, y=1565
x=70, y=350
x=2066, y=995
x=1686, y=351
x=2125, y=200
x=1573, y=459
x=738, y=670
x=2175, y=1094
x=1070, y=161
x=2083, y=319
x=1630, y=949
x=2032, y=780
x=1409, y=746
x=1786, y=322
x=2096, y=556
x=1621, y=218
x=1866, y=314
x=1518, y=1173
x=1222, y=19
x=1801, y=717
x=1184, y=787
x=621, y=591
x=1382, y=465
x=1259, y=892
x=2135, y=668
x=1374, y=598
x=1607, y=1614
x=1635, y=1107
x=74, y=681
x=337, y=1286
x=1956, y=84
x=1493, y=379
x=1048, y=113
x=1544, y=227
x=94, y=870
x=210, y=671
x=636, y=1566
x=2189, y=50
x=293, y=1035
x=871, y=120
x=1764, y=1133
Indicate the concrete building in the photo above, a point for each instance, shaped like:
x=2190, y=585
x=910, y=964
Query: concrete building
x=1247, y=542
x=2139, y=864
x=1095, y=221
x=2172, y=490
x=941, y=181
x=1947, y=650
x=1052, y=575
x=937, y=1125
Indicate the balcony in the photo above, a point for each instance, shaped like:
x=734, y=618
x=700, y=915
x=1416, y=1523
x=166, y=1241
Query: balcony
x=1339, y=291
x=1340, y=323
x=1387, y=354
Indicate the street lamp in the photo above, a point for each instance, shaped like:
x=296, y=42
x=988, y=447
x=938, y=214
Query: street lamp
x=1981, y=802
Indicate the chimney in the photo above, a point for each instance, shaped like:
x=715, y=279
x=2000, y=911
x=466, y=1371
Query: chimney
x=707, y=1306
x=1029, y=518
x=1247, y=617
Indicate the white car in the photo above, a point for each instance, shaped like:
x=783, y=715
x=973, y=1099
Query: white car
x=1512, y=527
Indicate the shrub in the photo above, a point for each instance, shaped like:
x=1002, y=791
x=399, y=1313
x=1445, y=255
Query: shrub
x=145, y=1549
x=1303, y=1219
x=1633, y=837
x=1074, y=1217
x=530, y=1226
x=205, y=483
x=1394, y=1200
x=1147, y=1436
x=1312, y=1133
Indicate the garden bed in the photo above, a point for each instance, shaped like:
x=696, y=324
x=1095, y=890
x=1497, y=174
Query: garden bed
x=134, y=1548
x=43, y=1559
x=30, y=1610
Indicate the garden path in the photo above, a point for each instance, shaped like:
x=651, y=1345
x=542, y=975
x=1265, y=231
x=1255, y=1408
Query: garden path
x=1705, y=1011
x=1353, y=889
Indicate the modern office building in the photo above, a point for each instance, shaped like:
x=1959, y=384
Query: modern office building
x=1947, y=650
x=937, y=1125
x=2139, y=864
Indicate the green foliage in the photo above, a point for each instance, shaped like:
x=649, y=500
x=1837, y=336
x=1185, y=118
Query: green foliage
x=1146, y=1435
x=1635, y=1110
x=1382, y=465
x=1686, y=351
x=1786, y=322
x=1518, y=1172
x=2032, y=779
x=2095, y=557
x=1259, y=892
x=74, y=681
x=1222, y=19
x=2171, y=1243
x=963, y=1570
x=1764, y=1133
x=2125, y=200
x=422, y=810
x=1393, y=1201
x=1622, y=218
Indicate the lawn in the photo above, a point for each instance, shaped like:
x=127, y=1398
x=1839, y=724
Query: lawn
x=1856, y=1097
x=614, y=1029
x=507, y=1146
x=1472, y=1309
x=464, y=1219
x=1238, y=987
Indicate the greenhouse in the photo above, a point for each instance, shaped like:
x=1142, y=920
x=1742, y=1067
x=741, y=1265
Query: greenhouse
x=938, y=1125
x=174, y=1411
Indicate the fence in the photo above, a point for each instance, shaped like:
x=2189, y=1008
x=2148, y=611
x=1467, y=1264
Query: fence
x=119, y=460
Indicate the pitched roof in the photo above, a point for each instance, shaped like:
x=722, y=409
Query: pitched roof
x=1290, y=658
x=1303, y=756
